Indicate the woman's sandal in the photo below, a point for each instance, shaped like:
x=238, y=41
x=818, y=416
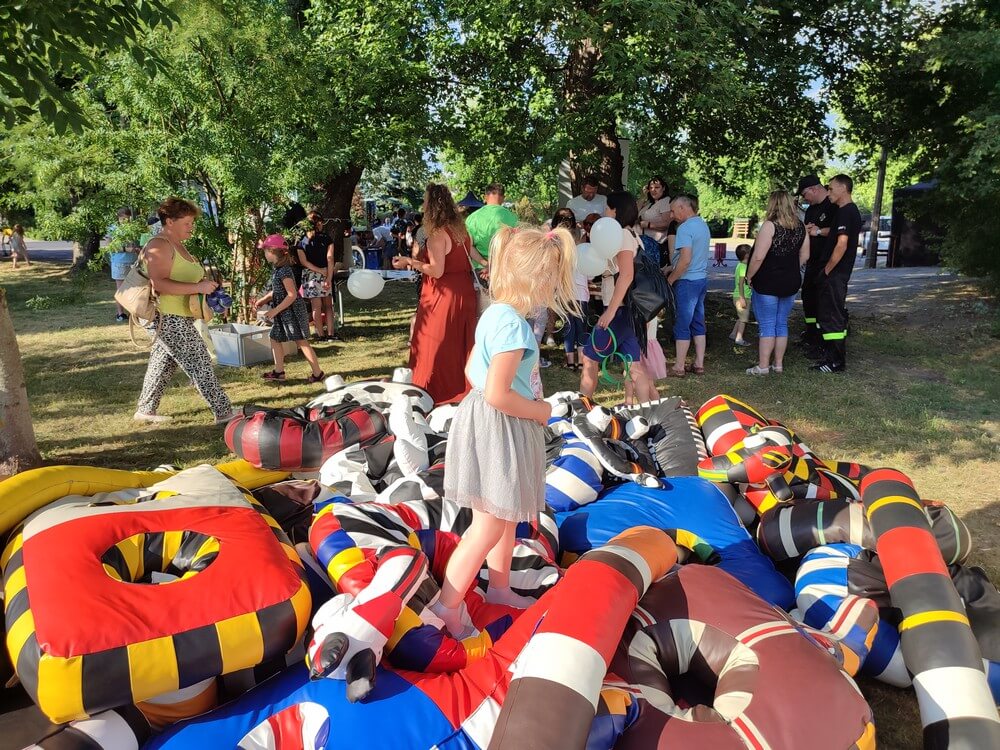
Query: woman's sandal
x=274, y=375
x=672, y=373
x=694, y=370
x=758, y=370
x=316, y=378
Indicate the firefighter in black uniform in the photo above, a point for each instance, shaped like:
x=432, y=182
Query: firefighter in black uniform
x=831, y=288
x=818, y=219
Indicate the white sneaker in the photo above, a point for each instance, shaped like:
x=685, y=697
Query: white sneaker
x=550, y=341
x=151, y=418
x=229, y=417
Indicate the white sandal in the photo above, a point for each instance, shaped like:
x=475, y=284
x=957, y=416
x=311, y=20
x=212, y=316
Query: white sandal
x=757, y=370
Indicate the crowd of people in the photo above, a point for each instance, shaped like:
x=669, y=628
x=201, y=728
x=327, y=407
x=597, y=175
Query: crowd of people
x=452, y=255
x=812, y=251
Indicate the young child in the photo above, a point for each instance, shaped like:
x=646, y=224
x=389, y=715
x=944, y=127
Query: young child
x=741, y=296
x=496, y=452
x=289, y=313
x=575, y=330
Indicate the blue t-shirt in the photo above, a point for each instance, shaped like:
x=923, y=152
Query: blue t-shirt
x=695, y=234
x=501, y=329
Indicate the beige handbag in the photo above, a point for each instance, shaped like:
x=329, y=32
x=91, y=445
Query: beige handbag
x=136, y=295
x=138, y=299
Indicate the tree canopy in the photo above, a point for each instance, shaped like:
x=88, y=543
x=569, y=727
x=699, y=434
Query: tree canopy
x=48, y=47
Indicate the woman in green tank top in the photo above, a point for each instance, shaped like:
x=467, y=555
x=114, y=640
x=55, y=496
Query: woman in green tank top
x=175, y=276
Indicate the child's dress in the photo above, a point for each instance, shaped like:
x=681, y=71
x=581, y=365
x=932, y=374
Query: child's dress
x=496, y=463
x=292, y=323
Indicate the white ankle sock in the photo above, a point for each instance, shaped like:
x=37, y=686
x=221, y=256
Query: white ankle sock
x=508, y=597
x=456, y=620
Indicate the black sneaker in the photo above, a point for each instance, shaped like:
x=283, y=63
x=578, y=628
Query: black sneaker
x=121, y=317
x=830, y=367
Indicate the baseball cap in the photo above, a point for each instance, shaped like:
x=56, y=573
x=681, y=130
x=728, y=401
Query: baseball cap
x=810, y=180
x=272, y=242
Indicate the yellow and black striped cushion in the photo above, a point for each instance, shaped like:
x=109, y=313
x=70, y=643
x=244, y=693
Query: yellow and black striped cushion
x=83, y=638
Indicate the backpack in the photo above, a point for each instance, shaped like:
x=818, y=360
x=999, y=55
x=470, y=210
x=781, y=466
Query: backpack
x=649, y=294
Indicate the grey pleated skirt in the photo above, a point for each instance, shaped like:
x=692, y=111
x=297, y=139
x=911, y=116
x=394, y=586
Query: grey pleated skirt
x=495, y=463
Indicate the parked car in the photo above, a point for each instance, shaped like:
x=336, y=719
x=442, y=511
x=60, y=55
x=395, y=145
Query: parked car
x=884, y=233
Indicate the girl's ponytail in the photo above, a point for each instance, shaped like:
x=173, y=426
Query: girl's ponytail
x=564, y=302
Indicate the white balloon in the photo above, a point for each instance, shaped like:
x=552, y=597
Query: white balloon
x=365, y=284
x=607, y=236
x=589, y=262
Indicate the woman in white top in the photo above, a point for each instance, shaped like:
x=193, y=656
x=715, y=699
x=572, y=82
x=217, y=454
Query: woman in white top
x=654, y=213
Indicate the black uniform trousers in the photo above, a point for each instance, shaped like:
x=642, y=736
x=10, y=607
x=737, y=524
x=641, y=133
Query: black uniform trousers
x=831, y=313
x=809, y=292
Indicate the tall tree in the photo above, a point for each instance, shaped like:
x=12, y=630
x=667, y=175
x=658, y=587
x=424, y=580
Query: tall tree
x=939, y=102
x=685, y=78
x=44, y=47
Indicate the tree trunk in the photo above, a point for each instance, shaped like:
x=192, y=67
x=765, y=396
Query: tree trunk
x=871, y=260
x=84, y=252
x=338, y=192
x=580, y=90
x=18, y=450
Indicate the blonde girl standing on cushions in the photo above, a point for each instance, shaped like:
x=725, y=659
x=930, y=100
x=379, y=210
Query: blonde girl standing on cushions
x=496, y=461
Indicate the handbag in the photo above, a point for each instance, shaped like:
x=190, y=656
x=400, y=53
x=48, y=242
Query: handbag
x=483, y=299
x=648, y=295
x=136, y=295
x=200, y=309
x=138, y=299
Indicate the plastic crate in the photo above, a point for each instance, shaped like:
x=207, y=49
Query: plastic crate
x=241, y=345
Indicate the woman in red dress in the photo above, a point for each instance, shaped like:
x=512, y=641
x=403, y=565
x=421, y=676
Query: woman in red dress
x=445, y=326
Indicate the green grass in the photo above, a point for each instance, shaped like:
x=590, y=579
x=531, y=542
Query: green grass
x=922, y=395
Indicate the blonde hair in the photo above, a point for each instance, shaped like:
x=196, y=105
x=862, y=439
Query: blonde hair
x=531, y=269
x=781, y=209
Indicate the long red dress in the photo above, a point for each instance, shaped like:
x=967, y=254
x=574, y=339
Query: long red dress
x=445, y=327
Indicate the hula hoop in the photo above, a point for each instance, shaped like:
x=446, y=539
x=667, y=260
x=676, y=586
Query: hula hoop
x=612, y=340
x=612, y=352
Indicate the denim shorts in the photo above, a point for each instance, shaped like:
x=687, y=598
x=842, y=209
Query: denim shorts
x=772, y=314
x=120, y=264
x=690, y=299
x=621, y=326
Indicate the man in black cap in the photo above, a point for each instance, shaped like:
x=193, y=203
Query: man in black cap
x=818, y=219
x=831, y=287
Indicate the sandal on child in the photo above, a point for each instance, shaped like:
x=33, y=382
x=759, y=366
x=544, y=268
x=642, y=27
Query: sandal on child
x=694, y=370
x=316, y=378
x=777, y=370
x=274, y=375
x=757, y=370
x=672, y=373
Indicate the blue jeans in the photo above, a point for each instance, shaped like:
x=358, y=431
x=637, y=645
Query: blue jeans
x=772, y=314
x=690, y=317
x=575, y=332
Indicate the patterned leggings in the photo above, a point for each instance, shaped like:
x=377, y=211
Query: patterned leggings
x=179, y=343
